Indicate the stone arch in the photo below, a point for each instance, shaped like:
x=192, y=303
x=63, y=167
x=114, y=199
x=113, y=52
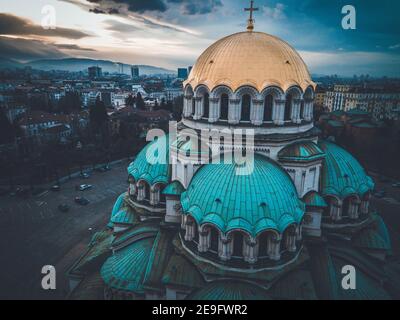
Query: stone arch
x=334, y=209
x=350, y=206
x=213, y=234
x=143, y=190
x=189, y=90
x=191, y=229
x=220, y=90
x=202, y=101
x=263, y=239
x=269, y=96
x=289, y=238
x=238, y=236
x=132, y=185
x=309, y=93
x=158, y=188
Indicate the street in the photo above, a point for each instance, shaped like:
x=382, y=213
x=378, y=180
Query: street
x=34, y=232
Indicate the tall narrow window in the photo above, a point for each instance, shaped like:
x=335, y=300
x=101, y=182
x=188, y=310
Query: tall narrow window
x=246, y=105
x=288, y=107
x=206, y=105
x=302, y=110
x=268, y=105
x=214, y=239
x=238, y=244
x=224, y=106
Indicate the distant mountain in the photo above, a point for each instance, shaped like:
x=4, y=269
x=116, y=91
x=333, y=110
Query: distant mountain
x=9, y=63
x=76, y=64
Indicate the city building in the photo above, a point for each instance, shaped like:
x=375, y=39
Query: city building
x=94, y=72
x=381, y=103
x=182, y=73
x=283, y=228
x=134, y=72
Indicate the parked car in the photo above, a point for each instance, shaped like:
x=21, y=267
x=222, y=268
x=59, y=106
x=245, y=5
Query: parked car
x=82, y=201
x=85, y=175
x=83, y=187
x=56, y=187
x=396, y=185
x=63, y=207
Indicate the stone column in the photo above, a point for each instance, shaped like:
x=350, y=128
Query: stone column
x=198, y=112
x=299, y=232
x=183, y=221
x=234, y=111
x=141, y=192
x=204, y=240
x=187, y=106
x=256, y=115
x=214, y=110
x=190, y=230
x=250, y=249
x=354, y=210
x=132, y=189
x=278, y=112
x=274, y=245
x=364, y=207
x=308, y=112
x=296, y=106
x=291, y=241
x=336, y=211
x=226, y=248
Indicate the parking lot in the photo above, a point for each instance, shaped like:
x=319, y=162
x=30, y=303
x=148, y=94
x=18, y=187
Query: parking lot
x=34, y=232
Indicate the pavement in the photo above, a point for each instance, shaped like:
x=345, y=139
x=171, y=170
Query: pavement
x=34, y=233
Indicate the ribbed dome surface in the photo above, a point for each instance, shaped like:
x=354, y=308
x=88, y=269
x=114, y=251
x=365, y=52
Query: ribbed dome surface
x=259, y=200
x=250, y=58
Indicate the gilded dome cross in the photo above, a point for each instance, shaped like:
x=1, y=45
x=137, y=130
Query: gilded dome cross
x=250, y=22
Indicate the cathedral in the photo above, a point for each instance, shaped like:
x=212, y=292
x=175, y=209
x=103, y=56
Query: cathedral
x=287, y=229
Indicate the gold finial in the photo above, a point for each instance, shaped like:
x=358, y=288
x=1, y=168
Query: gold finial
x=250, y=22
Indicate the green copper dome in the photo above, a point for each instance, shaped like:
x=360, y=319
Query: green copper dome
x=342, y=174
x=152, y=163
x=301, y=151
x=259, y=200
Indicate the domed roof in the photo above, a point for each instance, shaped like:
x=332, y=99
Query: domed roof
x=152, y=163
x=301, y=151
x=250, y=58
x=253, y=201
x=342, y=174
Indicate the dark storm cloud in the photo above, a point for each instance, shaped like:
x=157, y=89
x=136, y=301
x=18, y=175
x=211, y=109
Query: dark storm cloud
x=13, y=25
x=189, y=7
x=26, y=50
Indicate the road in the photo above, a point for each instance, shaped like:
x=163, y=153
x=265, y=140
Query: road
x=34, y=233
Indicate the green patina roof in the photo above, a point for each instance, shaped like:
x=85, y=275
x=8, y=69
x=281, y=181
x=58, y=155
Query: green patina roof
x=375, y=237
x=187, y=147
x=123, y=216
x=152, y=163
x=139, y=230
x=119, y=203
x=253, y=201
x=342, y=175
x=125, y=269
x=357, y=112
x=175, y=188
x=230, y=290
x=313, y=199
x=301, y=151
x=338, y=113
x=180, y=272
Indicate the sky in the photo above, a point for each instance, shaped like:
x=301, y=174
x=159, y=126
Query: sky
x=173, y=33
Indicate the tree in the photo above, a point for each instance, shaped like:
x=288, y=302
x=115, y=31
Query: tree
x=98, y=113
x=70, y=102
x=139, y=101
x=130, y=100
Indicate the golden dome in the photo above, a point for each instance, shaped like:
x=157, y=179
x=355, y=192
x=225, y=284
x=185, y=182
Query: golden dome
x=250, y=58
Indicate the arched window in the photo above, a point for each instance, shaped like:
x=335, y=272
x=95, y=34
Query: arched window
x=146, y=191
x=246, y=106
x=214, y=239
x=224, y=106
x=193, y=106
x=263, y=245
x=302, y=109
x=288, y=107
x=268, y=105
x=206, y=105
x=238, y=244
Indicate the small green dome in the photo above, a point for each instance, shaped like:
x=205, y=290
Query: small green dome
x=342, y=175
x=152, y=163
x=256, y=201
x=123, y=216
x=125, y=269
x=301, y=151
x=119, y=203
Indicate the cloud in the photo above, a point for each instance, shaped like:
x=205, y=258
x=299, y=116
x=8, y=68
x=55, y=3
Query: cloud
x=194, y=7
x=72, y=47
x=13, y=25
x=395, y=46
x=121, y=27
x=25, y=50
x=139, y=6
x=276, y=12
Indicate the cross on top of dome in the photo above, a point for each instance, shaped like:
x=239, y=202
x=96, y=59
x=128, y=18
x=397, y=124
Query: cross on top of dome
x=250, y=22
